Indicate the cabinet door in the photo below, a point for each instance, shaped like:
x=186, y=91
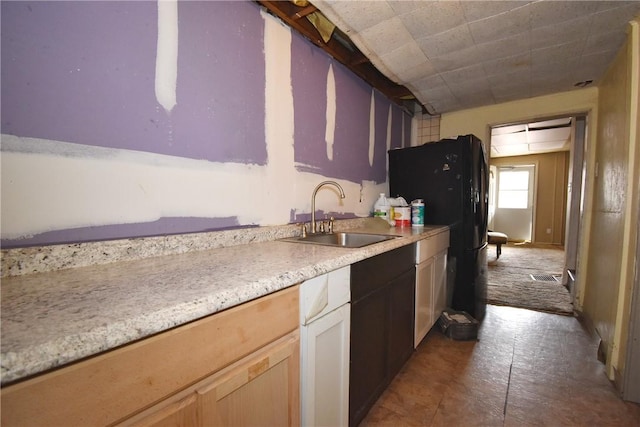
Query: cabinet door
x=181, y=413
x=368, y=367
x=401, y=321
x=439, y=284
x=424, y=315
x=325, y=369
x=261, y=389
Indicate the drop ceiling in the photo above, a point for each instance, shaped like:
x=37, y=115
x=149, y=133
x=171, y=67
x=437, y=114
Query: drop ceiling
x=453, y=55
x=539, y=137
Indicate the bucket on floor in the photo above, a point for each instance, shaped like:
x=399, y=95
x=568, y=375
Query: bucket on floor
x=458, y=325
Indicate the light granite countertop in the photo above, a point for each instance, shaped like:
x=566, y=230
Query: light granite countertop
x=57, y=317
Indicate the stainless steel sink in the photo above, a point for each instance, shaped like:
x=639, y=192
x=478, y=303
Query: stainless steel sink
x=342, y=239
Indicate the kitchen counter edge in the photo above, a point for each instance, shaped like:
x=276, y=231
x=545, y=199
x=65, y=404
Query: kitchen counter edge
x=55, y=318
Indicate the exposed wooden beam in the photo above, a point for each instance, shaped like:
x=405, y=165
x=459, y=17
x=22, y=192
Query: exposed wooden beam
x=304, y=12
x=343, y=51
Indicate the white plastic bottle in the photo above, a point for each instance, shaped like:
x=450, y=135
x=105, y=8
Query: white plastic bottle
x=381, y=208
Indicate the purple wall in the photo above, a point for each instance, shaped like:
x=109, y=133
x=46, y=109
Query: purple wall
x=353, y=96
x=84, y=72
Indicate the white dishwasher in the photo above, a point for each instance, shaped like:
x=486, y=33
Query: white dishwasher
x=431, y=283
x=325, y=323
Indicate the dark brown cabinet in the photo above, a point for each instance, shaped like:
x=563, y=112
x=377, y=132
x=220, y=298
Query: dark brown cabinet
x=382, y=325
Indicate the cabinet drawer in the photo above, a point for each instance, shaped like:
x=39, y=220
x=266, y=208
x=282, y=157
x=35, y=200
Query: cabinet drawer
x=373, y=273
x=430, y=246
x=323, y=294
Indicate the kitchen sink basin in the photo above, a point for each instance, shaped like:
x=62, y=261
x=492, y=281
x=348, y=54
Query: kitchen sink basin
x=342, y=239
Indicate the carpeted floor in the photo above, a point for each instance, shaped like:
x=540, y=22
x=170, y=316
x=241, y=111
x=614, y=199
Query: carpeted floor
x=510, y=282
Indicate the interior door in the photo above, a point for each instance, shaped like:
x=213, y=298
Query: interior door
x=514, y=201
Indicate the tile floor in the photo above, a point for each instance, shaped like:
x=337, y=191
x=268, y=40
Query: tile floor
x=527, y=369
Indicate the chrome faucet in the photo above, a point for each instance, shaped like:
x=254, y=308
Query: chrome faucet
x=313, y=201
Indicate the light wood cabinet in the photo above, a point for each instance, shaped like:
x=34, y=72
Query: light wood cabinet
x=182, y=412
x=227, y=365
x=260, y=389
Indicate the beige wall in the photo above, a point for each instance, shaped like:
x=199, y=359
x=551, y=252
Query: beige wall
x=551, y=195
x=614, y=215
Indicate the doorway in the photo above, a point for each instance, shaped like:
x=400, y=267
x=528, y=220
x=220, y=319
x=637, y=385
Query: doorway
x=530, y=173
x=514, y=195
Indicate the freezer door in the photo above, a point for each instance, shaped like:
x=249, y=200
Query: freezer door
x=479, y=192
x=470, y=292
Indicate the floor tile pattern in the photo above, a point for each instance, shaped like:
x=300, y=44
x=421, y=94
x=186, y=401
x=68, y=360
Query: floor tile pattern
x=527, y=368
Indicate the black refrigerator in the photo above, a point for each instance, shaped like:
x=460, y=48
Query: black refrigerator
x=451, y=176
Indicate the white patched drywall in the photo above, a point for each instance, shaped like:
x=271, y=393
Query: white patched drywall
x=55, y=185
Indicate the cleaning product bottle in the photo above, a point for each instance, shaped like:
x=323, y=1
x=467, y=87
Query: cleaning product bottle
x=381, y=208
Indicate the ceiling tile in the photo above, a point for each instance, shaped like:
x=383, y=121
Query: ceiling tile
x=612, y=4
x=361, y=15
x=558, y=134
x=546, y=12
x=457, y=59
x=604, y=21
x=501, y=130
x=445, y=104
x=510, y=150
x=437, y=95
x=566, y=121
x=462, y=75
x=507, y=65
x=429, y=83
x=501, y=26
x=476, y=10
x=405, y=6
x=558, y=53
x=503, y=48
x=437, y=90
x=386, y=36
x=576, y=29
x=521, y=77
x=420, y=71
x=549, y=83
x=500, y=140
x=544, y=69
x=510, y=91
x=439, y=44
x=549, y=146
x=603, y=42
x=433, y=17
x=472, y=90
x=404, y=58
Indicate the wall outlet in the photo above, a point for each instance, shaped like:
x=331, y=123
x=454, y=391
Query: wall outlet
x=548, y=231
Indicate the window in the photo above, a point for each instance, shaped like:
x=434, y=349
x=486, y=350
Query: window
x=514, y=189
